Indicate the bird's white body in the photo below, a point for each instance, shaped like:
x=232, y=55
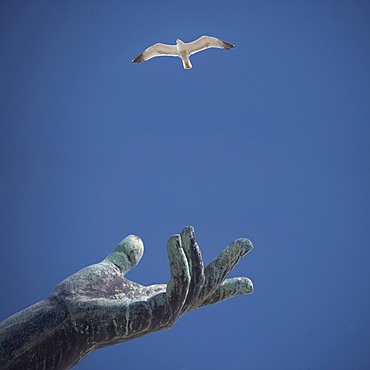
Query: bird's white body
x=182, y=49
x=184, y=54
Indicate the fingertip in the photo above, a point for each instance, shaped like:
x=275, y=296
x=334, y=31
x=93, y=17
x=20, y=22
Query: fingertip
x=127, y=254
x=188, y=230
x=242, y=285
x=173, y=239
x=173, y=244
x=248, y=285
x=245, y=245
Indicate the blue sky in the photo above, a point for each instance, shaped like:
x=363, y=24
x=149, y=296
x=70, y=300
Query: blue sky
x=268, y=141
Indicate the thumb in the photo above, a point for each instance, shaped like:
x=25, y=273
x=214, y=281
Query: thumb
x=127, y=254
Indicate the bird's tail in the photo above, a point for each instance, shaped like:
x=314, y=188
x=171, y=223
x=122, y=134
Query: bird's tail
x=186, y=63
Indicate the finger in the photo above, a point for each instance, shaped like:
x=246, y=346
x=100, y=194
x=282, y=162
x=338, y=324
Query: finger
x=178, y=286
x=195, y=263
x=228, y=289
x=217, y=271
x=127, y=254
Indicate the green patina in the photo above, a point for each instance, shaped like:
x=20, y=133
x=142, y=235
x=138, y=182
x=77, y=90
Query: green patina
x=98, y=307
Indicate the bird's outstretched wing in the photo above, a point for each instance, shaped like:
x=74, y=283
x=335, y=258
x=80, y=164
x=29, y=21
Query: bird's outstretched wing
x=206, y=42
x=157, y=50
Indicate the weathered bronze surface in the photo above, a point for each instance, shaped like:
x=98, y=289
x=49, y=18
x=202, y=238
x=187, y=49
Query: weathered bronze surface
x=98, y=307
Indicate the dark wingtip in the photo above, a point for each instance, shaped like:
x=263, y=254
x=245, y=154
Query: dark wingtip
x=138, y=59
x=228, y=45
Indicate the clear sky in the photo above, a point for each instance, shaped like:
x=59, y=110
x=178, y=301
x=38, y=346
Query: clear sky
x=268, y=141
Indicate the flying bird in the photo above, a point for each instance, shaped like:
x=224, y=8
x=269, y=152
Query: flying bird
x=182, y=49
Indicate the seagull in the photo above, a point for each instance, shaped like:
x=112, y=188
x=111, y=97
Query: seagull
x=182, y=49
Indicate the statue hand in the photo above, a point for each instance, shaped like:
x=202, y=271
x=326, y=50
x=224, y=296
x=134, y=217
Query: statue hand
x=191, y=285
x=97, y=306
